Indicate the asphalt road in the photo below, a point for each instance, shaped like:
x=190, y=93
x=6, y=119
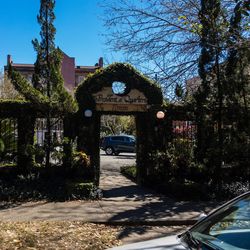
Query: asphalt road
x=112, y=163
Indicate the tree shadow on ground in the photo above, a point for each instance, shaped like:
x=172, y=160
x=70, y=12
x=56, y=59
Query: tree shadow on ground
x=131, y=234
x=131, y=192
x=6, y=205
x=125, y=157
x=146, y=207
x=156, y=205
x=160, y=210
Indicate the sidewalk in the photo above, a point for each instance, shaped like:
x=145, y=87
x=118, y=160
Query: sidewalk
x=142, y=213
x=124, y=203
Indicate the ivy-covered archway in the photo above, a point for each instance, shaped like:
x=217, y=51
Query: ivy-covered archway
x=96, y=96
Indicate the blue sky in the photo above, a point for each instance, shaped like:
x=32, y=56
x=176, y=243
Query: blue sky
x=78, y=23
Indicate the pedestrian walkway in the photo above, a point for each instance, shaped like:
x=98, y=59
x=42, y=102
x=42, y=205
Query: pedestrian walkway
x=126, y=202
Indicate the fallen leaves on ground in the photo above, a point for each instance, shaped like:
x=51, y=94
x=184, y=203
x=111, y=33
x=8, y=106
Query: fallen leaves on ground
x=57, y=235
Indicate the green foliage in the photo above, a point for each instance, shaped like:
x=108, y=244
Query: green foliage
x=104, y=77
x=191, y=26
x=237, y=160
x=222, y=102
x=43, y=184
x=128, y=125
x=22, y=85
x=59, y=99
x=45, y=48
x=179, y=91
x=47, y=96
x=175, y=172
x=116, y=125
x=15, y=108
x=181, y=153
x=80, y=160
x=160, y=167
x=210, y=43
x=129, y=171
x=176, y=164
x=89, y=128
x=48, y=77
x=2, y=147
x=8, y=142
x=80, y=167
x=80, y=189
x=39, y=153
x=7, y=89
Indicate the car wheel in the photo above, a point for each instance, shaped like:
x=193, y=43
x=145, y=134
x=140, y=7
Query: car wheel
x=109, y=151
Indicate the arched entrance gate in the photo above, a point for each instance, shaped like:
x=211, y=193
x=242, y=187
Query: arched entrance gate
x=136, y=95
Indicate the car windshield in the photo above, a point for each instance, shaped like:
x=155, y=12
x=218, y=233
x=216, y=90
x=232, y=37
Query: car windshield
x=227, y=228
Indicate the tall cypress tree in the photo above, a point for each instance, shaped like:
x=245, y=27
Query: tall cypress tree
x=237, y=87
x=47, y=59
x=48, y=92
x=45, y=48
x=238, y=61
x=209, y=100
x=206, y=66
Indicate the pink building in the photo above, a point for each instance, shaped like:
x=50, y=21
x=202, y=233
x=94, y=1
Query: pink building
x=72, y=74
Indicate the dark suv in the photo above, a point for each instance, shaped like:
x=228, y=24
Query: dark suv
x=116, y=144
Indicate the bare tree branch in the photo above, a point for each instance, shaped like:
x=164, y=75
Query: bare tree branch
x=161, y=37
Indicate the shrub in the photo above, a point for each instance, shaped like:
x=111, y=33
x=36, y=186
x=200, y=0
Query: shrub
x=39, y=153
x=174, y=163
x=186, y=190
x=161, y=169
x=80, y=159
x=81, y=166
x=8, y=142
x=181, y=156
x=2, y=147
x=79, y=190
x=233, y=189
x=41, y=185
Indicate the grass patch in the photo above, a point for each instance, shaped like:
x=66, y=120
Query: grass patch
x=57, y=235
x=129, y=171
x=8, y=165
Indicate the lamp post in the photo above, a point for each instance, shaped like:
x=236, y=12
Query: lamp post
x=160, y=115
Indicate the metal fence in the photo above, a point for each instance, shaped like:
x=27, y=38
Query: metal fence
x=8, y=137
x=41, y=131
x=185, y=130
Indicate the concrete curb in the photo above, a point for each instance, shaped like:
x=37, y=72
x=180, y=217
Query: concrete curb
x=148, y=223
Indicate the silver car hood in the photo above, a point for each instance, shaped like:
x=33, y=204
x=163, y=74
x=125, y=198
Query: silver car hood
x=169, y=242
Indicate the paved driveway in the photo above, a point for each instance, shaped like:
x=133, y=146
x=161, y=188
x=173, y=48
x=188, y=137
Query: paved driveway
x=113, y=163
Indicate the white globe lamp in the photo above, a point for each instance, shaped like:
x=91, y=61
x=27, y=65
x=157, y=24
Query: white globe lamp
x=160, y=115
x=88, y=113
